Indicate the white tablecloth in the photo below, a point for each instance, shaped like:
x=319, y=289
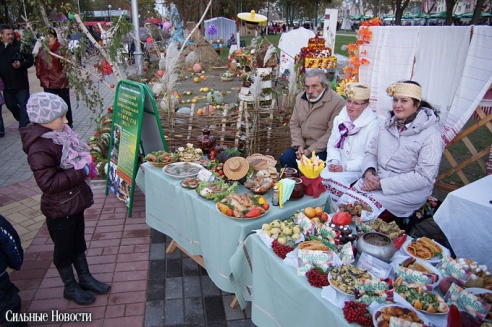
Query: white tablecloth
x=465, y=217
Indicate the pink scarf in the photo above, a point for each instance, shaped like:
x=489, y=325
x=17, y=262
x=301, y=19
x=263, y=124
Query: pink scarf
x=74, y=153
x=346, y=128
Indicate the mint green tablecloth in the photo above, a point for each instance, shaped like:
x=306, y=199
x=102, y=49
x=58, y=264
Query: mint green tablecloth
x=278, y=296
x=196, y=225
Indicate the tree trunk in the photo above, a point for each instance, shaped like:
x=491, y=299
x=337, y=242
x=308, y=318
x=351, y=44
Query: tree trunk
x=449, y=11
x=477, y=12
x=400, y=8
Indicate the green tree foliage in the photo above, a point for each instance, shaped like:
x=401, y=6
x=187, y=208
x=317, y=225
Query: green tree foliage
x=378, y=7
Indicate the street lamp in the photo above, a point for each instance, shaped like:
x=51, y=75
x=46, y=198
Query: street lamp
x=109, y=12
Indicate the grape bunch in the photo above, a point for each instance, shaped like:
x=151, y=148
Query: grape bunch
x=317, y=277
x=280, y=249
x=358, y=313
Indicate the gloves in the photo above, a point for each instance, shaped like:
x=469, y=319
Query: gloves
x=91, y=170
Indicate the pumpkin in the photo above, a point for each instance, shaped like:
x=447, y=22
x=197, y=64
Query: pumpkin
x=215, y=97
x=341, y=218
x=197, y=68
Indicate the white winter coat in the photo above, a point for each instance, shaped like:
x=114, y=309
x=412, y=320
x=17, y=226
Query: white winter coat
x=350, y=157
x=407, y=163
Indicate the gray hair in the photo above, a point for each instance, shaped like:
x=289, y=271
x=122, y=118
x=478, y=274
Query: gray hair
x=317, y=72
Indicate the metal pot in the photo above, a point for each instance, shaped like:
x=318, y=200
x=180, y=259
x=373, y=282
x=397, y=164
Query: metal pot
x=376, y=244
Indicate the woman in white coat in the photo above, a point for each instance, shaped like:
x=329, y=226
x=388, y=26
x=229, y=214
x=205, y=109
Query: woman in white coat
x=352, y=131
x=401, y=165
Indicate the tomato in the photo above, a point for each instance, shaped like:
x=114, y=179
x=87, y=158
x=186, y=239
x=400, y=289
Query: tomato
x=253, y=213
x=265, y=206
x=324, y=217
x=221, y=172
x=211, y=155
x=341, y=218
x=229, y=212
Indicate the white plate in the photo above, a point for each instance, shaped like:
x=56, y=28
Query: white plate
x=426, y=312
x=427, y=265
x=242, y=218
x=182, y=170
x=477, y=290
x=419, y=314
x=337, y=289
x=434, y=259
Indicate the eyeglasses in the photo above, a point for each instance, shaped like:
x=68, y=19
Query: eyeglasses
x=357, y=104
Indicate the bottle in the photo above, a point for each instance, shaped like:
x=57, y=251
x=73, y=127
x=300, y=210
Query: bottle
x=275, y=196
x=206, y=141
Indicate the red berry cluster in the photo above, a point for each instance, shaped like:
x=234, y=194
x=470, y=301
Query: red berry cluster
x=280, y=249
x=317, y=278
x=358, y=313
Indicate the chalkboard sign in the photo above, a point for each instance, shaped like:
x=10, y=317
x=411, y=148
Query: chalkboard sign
x=136, y=129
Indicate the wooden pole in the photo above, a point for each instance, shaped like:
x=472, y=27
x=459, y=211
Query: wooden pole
x=190, y=121
x=238, y=127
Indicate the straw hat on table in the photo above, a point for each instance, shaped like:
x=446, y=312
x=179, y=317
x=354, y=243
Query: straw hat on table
x=236, y=168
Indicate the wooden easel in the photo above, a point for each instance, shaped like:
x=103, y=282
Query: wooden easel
x=476, y=156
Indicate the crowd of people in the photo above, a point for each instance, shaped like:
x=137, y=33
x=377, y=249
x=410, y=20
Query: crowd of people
x=390, y=162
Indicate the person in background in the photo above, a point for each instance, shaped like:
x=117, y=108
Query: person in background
x=11, y=256
x=51, y=71
x=353, y=129
x=312, y=118
x=14, y=62
x=62, y=167
x=401, y=164
x=2, y=101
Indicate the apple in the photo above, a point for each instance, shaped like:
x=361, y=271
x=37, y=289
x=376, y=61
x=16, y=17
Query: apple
x=111, y=86
x=446, y=282
x=145, y=69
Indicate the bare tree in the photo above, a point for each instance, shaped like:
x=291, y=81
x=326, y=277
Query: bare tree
x=477, y=12
x=400, y=6
x=449, y=11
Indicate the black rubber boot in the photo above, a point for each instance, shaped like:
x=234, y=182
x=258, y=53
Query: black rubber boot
x=86, y=281
x=72, y=290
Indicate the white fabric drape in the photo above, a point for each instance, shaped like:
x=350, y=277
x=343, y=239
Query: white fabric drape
x=452, y=63
x=391, y=53
x=225, y=27
x=290, y=44
x=476, y=80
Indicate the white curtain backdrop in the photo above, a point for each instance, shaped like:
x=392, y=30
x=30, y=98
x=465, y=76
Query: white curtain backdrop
x=452, y=63
x=291, y=43
x=225, y=27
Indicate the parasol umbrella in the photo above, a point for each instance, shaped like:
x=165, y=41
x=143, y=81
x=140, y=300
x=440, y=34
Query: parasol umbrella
x=252, y=19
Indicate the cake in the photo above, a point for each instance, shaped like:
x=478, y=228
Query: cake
x=317, y=54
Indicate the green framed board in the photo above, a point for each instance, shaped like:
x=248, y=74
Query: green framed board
x=135, y=129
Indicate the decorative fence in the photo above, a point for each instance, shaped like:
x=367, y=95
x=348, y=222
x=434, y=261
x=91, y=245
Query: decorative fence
x=252, y=129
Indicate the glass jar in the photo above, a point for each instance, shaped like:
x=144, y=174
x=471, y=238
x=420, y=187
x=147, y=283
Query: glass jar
x=206, y=141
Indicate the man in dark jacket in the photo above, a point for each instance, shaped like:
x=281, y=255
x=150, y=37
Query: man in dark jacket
x=14, y=63
x=11, y=255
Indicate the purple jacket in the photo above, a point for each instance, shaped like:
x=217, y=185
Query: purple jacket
x=65, y=191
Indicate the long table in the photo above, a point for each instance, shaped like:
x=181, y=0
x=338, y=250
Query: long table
x=278, y=296
x=465, y=217
x=196, y=225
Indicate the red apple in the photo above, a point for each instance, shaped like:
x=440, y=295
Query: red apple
x=145, y=69
x=111, y=86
